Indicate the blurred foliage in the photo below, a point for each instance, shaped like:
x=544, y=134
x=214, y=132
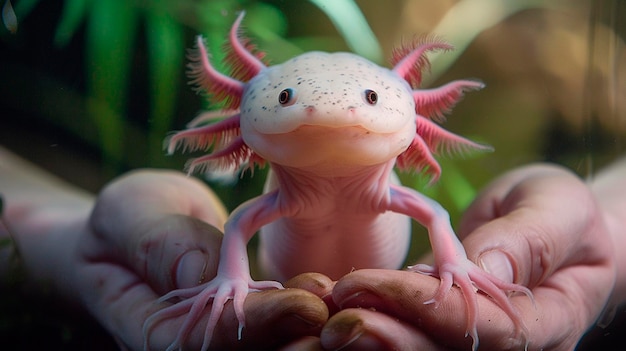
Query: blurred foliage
x=110, y=40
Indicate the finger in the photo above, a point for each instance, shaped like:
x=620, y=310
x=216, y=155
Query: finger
x=318, y=284
x=315, y=283
x=546, y=221
x=537, y=218
x=575, y=275
x=154, y=192
x=403, y=294
x=487, y=205
x=273, y=318
x=548, y=234
x=175, y=251
x=160, y=224
x=117, y=298
x=361, y=329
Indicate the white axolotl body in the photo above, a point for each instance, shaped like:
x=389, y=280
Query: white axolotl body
x=336, y=170
x=332, y=127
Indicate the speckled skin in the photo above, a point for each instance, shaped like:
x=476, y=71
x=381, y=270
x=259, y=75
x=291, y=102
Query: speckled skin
x=332, y=127
x=329, y=83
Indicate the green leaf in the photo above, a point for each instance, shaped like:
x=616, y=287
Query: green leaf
x=351, y=23
x=266, y=21
x=453, y=187
x=166, y=54
x=465, y=21
x=460, y=190
x=268, y=26
x=24, y=7
x=74, y=12
x=1, y=205
x=110, y=38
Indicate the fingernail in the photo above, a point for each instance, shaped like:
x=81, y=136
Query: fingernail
x=498, y=264
x=341, y=334
x=365, y=342
x=191, y=269
x=349, y=334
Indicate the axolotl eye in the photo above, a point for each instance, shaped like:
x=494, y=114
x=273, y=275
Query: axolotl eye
x=371, y=97
x=287, y=97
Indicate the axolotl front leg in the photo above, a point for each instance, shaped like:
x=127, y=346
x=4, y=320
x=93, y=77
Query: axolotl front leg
x=451, y=263
x=232, y=281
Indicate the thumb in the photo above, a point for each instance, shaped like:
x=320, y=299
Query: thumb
x=505, y=254
x=543, y=220
x=156, y=223
x=174, y=251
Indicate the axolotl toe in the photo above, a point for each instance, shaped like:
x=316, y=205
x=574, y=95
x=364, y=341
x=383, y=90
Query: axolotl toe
x=332, y=127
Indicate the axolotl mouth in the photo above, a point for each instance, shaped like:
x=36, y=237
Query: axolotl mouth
x=333, y=133
x=329, y=145
x=349, y=117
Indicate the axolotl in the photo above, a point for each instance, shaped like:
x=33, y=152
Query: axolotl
x=332, y=127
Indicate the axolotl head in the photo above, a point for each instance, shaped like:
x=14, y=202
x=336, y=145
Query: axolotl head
x=324, y=109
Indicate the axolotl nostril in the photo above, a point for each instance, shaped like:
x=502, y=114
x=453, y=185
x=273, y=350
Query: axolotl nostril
x=332, y=127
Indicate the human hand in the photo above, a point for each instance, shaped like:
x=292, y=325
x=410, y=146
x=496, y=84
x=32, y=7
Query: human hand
x=538, y=226
x=154, y=231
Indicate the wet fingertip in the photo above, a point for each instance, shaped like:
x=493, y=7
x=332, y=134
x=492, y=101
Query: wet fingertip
x=316, y=283
x=191, y=269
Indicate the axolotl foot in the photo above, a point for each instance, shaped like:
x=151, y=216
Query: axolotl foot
x=193, y=302
x=470, y=278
